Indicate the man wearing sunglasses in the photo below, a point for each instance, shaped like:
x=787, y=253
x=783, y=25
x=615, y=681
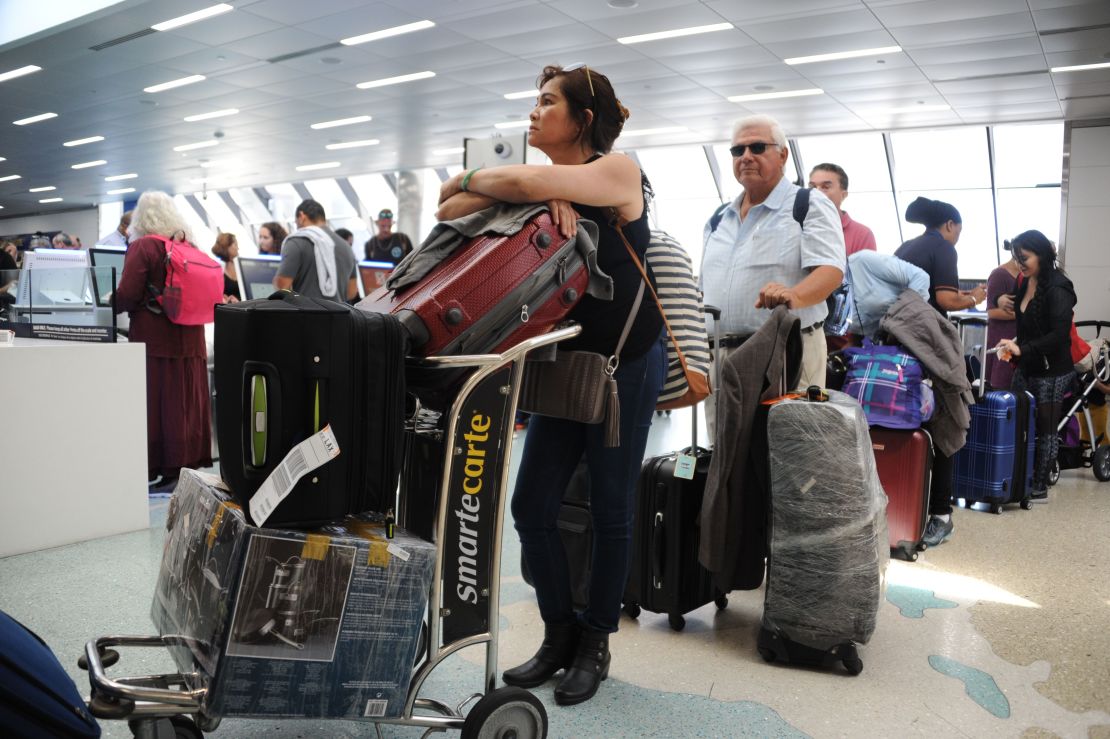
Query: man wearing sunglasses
x=758, y=256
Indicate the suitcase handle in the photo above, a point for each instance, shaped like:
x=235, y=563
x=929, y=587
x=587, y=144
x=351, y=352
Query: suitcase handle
x=261, y=392
x=657, y=551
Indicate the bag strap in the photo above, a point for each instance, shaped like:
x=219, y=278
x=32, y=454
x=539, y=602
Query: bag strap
x=646, y=281
x=614, y=360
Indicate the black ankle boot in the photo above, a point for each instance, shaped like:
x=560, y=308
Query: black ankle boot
x=591, y=666
x=560, y=642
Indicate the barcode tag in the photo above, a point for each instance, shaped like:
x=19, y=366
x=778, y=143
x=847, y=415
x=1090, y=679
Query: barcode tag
x=301, y=459
x=375, y=708
x=398, y=552
x=684, y=466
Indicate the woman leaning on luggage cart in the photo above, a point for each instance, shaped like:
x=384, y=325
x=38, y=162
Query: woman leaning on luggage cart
x=1043, y=307
x=576, y=119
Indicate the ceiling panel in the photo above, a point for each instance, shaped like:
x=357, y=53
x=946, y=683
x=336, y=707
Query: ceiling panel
x=984, y=58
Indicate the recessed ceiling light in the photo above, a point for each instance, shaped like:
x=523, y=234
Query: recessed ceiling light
x=42, y=189
x=353, y=144
x=198, y=145
x=386, y=33
x=691, y=31
x=1080, y=67
x=843, y=55
x=321, y=165
x=35, y=119
x=213, y=114
x=523, y=94
x=395, y=80
x=184, y=20
x=622, y=4
x=121, y=191
x=51, y=200
x=118, y=177
x=776, y=95
x=175, y=83
x=11, y=75
x=448, y=152
x=80, y=142
x=342, y=122
x=9, y=178
x=910, y=109
x=86, y=165
x=513, y=124
x=650, y=131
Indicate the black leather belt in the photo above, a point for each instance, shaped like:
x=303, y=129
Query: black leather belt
x=814, y=327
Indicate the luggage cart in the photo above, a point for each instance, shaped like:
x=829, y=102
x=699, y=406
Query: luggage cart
x=173, y=705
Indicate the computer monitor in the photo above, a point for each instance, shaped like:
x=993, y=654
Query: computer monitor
x=54, y=278
x=372, y=275
x=256, y=275
x=102, y=257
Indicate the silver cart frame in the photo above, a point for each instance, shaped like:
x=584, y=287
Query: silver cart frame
x=155, y=697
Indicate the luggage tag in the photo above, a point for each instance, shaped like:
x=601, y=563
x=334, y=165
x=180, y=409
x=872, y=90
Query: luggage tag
x=310, y=454
x=684, y=466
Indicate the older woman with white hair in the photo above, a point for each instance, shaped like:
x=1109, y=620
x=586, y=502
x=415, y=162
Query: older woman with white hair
x=177, y=401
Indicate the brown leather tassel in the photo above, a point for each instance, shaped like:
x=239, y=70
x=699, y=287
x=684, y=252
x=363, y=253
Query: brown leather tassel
x=612, y=416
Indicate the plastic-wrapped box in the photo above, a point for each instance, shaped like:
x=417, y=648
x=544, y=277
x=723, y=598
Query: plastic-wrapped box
x=272, y=622
x=828, y=542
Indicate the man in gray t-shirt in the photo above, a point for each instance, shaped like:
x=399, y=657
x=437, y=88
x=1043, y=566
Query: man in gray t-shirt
x=314, y=260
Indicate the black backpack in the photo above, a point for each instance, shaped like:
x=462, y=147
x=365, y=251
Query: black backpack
x=801, y=208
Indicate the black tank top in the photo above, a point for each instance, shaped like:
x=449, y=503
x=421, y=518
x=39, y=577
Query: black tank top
x=603, y=320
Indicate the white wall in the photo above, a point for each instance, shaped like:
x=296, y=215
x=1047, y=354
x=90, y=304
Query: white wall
x=83, y=223
x=1086, y=249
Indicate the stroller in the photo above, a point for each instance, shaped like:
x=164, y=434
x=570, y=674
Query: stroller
x=1075, y=452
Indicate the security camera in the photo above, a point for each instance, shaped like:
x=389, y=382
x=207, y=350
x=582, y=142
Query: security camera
x=503, y=149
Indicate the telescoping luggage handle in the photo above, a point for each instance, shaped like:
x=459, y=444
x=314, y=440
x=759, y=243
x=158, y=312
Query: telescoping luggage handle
x=962, y=320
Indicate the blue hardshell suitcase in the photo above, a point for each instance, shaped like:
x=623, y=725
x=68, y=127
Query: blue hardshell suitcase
x=996, y=464
x=37, y=697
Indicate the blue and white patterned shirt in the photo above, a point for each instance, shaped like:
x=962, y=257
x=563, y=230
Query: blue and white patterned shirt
x=740, y=257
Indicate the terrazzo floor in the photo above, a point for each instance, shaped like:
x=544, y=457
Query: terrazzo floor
x=1003, y=631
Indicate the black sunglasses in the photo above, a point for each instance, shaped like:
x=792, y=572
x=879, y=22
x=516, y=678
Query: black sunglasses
x=757, y=148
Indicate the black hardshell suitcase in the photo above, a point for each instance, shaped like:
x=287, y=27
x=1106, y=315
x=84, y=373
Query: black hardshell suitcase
x=665, y=575
x=287, y=367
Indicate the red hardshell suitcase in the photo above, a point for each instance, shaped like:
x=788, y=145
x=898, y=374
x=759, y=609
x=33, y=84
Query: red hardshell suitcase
x=904, y=459
x=490, y=293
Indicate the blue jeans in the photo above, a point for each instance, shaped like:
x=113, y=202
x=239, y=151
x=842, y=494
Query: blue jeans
x=552, y=451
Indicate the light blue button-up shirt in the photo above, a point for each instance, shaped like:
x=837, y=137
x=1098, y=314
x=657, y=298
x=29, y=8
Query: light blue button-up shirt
x=877, y=281
x=741, y=256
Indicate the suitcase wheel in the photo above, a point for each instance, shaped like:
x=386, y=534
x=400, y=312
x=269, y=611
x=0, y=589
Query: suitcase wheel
x=850, y=659
x=632, y=610
x=721, y=601
x=677, y=622
x=996, y=509
x=180, y=727
x=1026, y=504
x=767, y=654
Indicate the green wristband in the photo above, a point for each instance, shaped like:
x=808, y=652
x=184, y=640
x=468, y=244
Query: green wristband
x=465, y=184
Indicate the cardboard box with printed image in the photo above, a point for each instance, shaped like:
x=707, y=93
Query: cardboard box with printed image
x=272, y=622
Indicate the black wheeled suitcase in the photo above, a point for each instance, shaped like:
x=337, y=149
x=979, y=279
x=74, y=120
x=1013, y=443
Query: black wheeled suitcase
x=285, y=369
x=665, y=575
x=828, y=545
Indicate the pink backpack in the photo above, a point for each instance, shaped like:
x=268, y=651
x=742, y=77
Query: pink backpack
x=194, y=284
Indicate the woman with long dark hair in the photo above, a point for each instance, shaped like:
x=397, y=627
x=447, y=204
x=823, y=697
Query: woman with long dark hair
x=576, y=119
x=1043, y=307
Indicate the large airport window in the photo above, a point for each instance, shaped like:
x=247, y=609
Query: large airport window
x=201, y=233
x=1028, y=168
x=730, y=188
x=976, y=247
x=374, y=192
x=221, y=219
x=685, y=195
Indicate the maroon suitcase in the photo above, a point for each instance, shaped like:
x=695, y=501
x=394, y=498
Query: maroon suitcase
x=904, y=459
x=491, y=293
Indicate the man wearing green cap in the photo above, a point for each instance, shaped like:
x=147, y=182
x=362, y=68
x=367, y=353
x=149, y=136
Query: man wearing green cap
x=387, y=246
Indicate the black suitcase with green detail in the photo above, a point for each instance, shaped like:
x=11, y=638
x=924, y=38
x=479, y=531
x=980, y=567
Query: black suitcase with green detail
x=286, y=368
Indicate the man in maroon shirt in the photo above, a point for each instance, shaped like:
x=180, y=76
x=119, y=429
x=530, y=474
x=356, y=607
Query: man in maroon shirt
x=832, y=180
